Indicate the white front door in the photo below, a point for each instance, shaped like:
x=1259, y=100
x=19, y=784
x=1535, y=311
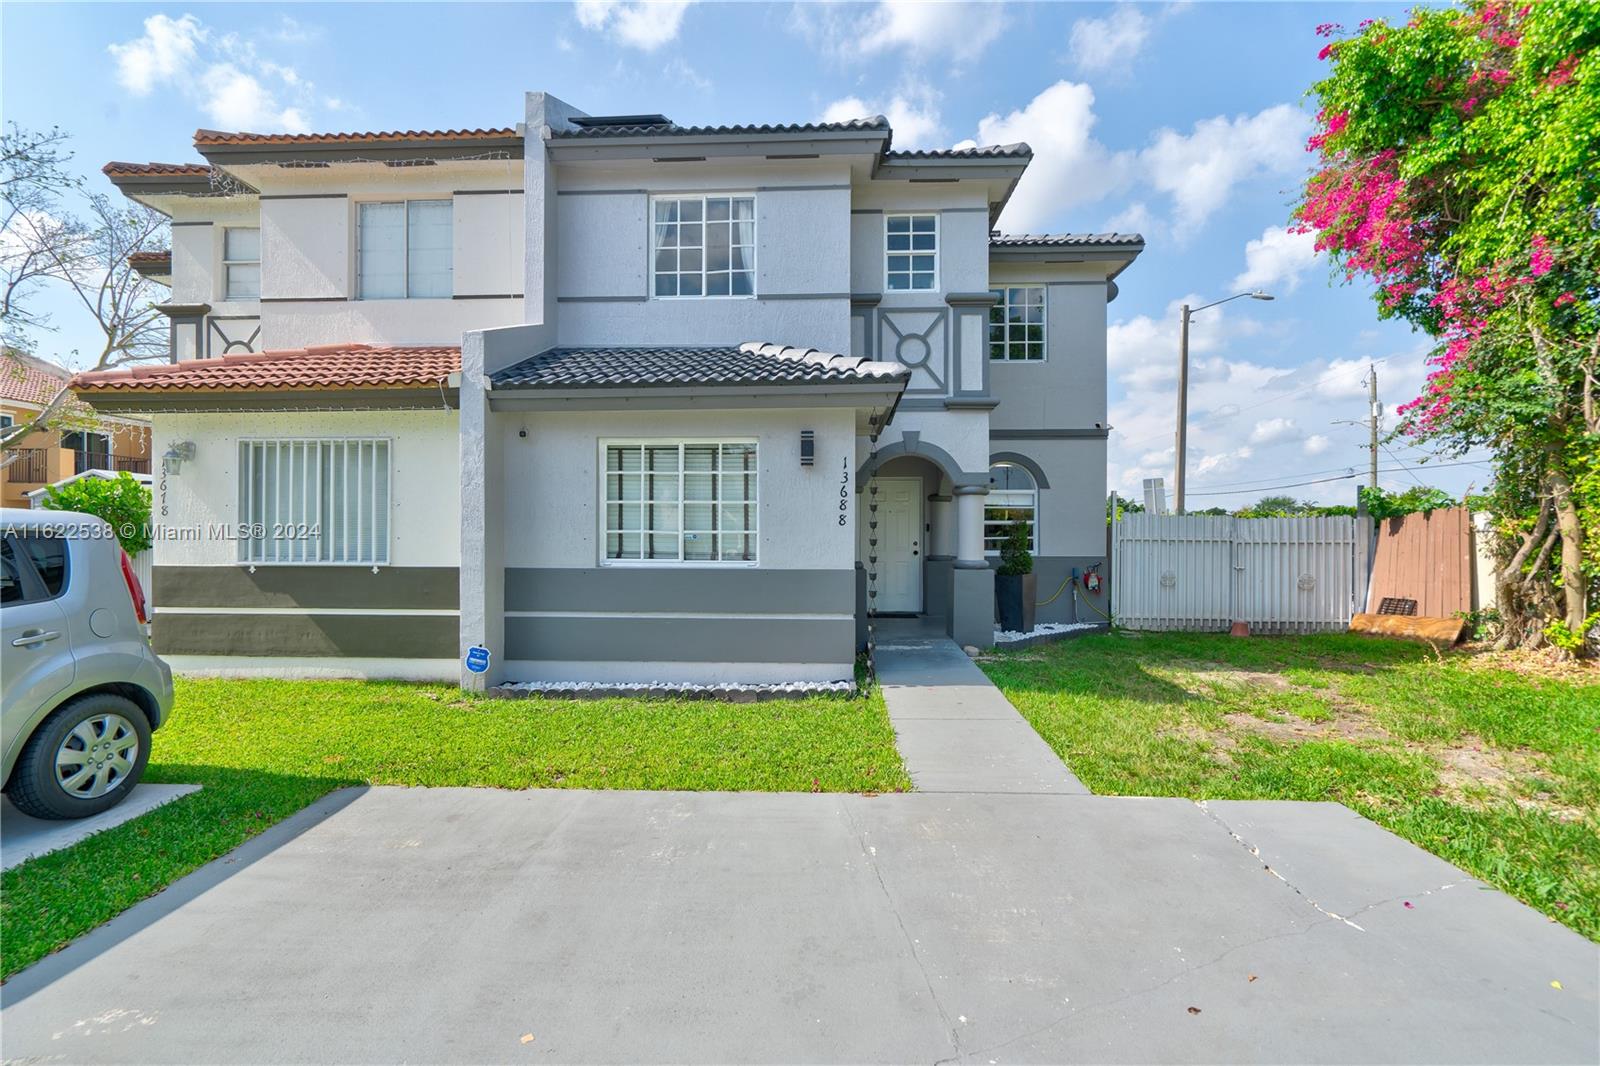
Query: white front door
x=899, y=545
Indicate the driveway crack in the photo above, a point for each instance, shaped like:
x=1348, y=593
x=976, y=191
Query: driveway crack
x=911, y=944
x=1255, y=852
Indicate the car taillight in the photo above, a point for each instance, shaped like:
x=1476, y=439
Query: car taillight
x=135, y=591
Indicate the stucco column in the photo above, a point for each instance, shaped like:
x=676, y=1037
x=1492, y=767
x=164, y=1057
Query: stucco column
x=482, y=563
x=969, y=526
x=942, y=516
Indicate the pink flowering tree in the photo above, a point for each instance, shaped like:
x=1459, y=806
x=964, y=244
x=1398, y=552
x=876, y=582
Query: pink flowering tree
x=1458, y=173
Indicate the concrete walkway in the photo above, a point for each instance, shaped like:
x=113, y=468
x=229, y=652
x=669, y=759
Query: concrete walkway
x=482, y=925
x=954, y=729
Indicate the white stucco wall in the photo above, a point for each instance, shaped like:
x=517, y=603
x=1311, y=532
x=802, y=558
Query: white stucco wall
x=293, y=325
x=306, y=248
x=424, y=517
x=489, y=233
x=552, y=482
x=1068, y=389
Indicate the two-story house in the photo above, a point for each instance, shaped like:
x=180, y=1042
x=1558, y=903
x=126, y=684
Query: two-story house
x=613, y=398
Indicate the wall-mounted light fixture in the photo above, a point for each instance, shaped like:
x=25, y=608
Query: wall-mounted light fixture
x=808, y=447
x=181, y=452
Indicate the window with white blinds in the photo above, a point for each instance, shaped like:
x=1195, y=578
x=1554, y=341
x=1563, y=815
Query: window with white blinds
x=681, y=502
x=314, y=501
x=404, y=250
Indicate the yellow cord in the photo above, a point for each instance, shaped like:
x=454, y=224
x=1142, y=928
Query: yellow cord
x=1064, y=582
x=1093, y=608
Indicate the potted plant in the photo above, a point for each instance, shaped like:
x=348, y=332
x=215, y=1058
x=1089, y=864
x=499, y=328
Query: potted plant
x=1015, y=585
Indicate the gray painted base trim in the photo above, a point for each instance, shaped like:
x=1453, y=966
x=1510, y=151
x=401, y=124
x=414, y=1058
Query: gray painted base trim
x=392, y=587
x=752, y=673
x=679, y=590
x=575, y=639
x=329, y=667
x=316, y=635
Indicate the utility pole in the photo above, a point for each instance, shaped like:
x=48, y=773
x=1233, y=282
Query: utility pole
x=1183, y=409
x=1373, y=412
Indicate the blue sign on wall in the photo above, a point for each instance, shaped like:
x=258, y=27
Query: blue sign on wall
x=478, y=659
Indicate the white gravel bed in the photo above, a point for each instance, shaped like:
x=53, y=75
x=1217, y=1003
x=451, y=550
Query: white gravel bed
x=1043, y=629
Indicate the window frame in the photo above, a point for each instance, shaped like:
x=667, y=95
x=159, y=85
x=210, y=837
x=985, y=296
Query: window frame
x=755, y=243
x=1033, y=532
x=405, y=245
x=34, y=587
x=229, y=264
x=1003, y=289
x=937, y=241
x=754, y=533
x=243, y=520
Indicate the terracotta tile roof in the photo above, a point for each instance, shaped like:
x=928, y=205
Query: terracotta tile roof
x=752, y=363
x=151, y=263
x=208, y=138
x=28, y=380
x=175, y=170
x=324, y=366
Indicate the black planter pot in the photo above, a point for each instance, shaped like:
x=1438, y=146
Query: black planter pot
x=1015, y=595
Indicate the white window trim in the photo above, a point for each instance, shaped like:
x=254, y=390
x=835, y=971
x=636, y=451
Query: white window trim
x=405, y=245
x=1033, y=532
x=938, y=242
x=1043, y=287
x=241, y=519
x=755, y=245
x=225, y=296
x=679, y=563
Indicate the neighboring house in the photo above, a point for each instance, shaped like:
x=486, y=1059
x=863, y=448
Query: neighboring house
x=611, y=397
x=78, y=439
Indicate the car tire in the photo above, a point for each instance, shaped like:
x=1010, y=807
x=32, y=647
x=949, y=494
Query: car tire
x=94, y=730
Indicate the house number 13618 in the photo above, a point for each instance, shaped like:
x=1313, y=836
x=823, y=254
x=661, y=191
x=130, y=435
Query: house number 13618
x=844, y=494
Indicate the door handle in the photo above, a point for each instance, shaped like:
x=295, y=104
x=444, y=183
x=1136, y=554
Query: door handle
x=38, y=636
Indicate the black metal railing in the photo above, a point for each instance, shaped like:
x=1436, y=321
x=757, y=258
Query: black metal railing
x=93, y=460
x=30, y=467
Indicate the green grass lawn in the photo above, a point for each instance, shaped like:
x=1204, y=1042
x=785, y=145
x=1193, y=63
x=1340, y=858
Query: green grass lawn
x=1494, y=770
x=265, y=749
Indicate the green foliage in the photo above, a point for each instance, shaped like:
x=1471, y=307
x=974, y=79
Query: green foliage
x=1574, y=643
x=1482, y=624
x=121, y=501
x=1381, y=504
x=1015, y=557
x=1124, y=506
x=1289, y=507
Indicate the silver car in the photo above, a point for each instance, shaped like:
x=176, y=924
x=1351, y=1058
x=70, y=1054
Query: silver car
x=80, y=687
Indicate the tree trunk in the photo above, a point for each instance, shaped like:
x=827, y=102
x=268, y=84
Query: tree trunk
x=1574, y=588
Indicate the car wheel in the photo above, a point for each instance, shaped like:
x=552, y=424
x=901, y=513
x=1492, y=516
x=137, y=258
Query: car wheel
x=83, y=759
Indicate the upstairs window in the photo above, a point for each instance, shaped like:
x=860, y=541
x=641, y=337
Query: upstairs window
x=911, y=252
x=241, y=263
x=404, y=250
x=704, y=246
x=1013, y=497
x=681, y=502
x=314, y=501
x=1016, y=324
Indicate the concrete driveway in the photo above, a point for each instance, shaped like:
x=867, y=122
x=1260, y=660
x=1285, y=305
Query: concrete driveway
x=458, y=925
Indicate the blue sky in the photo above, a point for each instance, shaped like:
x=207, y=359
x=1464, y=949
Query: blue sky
x=1185, y=122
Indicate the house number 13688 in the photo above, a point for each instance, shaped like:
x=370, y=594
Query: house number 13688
x=844, y=494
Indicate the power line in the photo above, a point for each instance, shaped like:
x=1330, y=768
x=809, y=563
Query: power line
x=1246, y=484
x=1325, y=480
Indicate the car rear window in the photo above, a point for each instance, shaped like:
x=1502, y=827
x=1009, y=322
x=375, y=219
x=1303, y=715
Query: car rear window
x=49, y=557
x=10, y=578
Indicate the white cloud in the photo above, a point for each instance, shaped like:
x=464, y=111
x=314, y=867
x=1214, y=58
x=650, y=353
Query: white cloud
x=221, y=75
x=679, y=70
x=1199, y=170
x=924, y=30
x=913, y=113
x=1277, y=258
x=1105, y=44
x=1316, y=444
x=644, y=24
x=1274, y=430
x=1069, y=166
x=167, y=49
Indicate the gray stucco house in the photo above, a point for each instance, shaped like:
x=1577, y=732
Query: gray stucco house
x=610, y=397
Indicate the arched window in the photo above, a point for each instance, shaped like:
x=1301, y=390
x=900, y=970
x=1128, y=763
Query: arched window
x=1013, y=497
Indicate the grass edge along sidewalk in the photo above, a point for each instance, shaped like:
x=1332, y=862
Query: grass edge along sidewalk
x=1481, y=759
x=264, y=749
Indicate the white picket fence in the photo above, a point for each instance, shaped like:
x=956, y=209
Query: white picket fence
x=1203, y=573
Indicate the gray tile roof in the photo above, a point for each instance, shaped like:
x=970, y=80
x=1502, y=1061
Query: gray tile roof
x=1019, y=150
x=753, y=363
x=864, y=125
x=1062, y=240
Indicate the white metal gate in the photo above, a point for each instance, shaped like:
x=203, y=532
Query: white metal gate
x=1200, y=573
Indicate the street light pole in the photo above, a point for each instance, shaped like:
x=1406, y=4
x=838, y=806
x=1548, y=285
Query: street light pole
x=1182, y=449
x=1183, y=408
